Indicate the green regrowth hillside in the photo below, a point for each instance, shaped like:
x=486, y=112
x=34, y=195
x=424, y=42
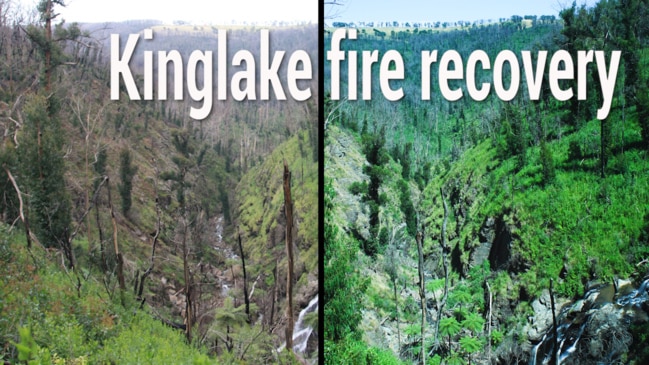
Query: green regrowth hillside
x=577, y=228
x=52, y=316
x=517, y=202
x=261, y=218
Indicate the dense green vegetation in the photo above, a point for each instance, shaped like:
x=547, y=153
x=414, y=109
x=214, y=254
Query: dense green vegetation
x=535, y=190
x=59, y=322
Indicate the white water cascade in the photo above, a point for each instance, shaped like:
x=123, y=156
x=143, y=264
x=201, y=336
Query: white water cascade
x=301, y=333
x=573, y=322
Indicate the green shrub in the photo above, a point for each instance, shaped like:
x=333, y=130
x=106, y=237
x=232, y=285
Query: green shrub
x=574, y=151
x=126, y=172
x=358, y=188
x=496, y=337
x=149, y=341
x=376, y=356
x=547, y=161
x=28, y=351
x=353, y=352
x=64, y=337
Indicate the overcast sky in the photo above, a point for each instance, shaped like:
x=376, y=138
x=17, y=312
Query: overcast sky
x=441, y=10
x=194, y=11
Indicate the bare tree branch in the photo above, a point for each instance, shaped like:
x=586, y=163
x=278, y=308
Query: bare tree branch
x=83, y=216
x=333, y=8
x=29, y=235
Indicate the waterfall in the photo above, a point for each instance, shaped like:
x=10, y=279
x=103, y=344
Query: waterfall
x=219, y=229
x=301, y=333
x=575, y=319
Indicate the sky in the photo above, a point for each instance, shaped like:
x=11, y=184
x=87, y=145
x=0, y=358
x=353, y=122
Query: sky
x=225, y=11
x=193, y=11
x=441, y=10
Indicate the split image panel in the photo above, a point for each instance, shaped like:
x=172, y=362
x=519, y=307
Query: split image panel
x=159, y=182
x=485, y=190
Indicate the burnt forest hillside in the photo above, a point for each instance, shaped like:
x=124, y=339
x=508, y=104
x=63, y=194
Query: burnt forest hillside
x=131, y=233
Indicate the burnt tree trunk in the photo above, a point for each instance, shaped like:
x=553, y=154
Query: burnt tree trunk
x=153, y=247
x=288, y=206
x=445, y=250
x=555, y=349
x=102, y=247
x=489, y=321
x=189, y=309
x=396, y=309
x=118, y=255
x=422, y=294
x=246, y=300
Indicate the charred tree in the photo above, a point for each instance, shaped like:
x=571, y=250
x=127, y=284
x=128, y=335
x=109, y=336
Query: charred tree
x=246, y=300
x=555, y=349
x=422, y=294
x=189, y=306
x=445, y=250
x=102, y=247
x=288, y=207
x=118, y=255
x=154, y=243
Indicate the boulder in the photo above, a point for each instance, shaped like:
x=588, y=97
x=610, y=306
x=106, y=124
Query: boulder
x=541, y=321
